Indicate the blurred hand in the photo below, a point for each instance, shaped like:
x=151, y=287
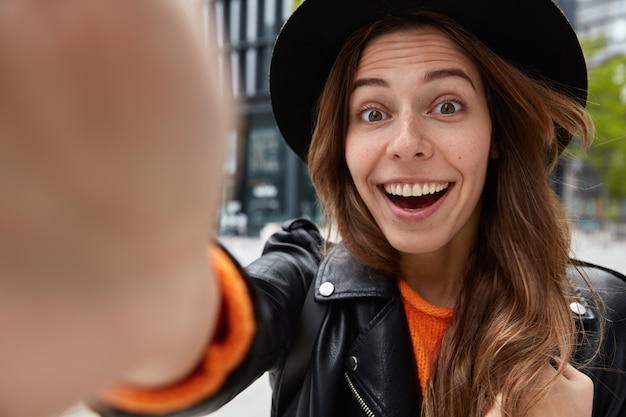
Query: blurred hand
x=571, y=395
x=111, y=144
x=111, y=131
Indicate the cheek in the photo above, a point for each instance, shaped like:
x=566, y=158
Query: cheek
x=479, y=150
x=474, y=168
x=472, y=161
x=361, y=162
x=354, y=155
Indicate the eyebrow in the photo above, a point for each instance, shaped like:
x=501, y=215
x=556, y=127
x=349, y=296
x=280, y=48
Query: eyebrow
x=430, y=76
x=377, y=82
x=448, y=72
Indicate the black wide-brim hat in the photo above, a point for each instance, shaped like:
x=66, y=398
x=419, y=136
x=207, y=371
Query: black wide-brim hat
x=533, y=34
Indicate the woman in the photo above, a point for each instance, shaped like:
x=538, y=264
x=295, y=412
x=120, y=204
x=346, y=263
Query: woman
x=436, y=125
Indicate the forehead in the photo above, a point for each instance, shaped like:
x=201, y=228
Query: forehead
x=426, y=46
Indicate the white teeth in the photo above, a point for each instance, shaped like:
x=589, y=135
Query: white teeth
x=416, y=190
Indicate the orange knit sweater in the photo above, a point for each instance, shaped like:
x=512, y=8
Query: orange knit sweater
x=427, y=324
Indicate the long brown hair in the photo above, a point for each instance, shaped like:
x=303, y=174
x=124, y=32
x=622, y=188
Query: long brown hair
x=512, y=316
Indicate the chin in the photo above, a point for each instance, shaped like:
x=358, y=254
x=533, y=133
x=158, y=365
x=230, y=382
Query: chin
x=415, y=245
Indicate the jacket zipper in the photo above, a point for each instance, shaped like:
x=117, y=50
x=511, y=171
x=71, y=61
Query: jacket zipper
x=368, y=411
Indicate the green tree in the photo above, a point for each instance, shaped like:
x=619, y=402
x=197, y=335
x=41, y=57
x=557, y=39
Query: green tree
x=607, y=106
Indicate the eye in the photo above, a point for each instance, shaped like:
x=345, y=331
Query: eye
x=373, y=115
x=448, y=107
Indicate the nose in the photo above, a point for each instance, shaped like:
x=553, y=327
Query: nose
x=410, y=140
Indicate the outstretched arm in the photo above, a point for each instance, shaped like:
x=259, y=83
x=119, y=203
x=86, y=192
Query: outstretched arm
x=111, y=137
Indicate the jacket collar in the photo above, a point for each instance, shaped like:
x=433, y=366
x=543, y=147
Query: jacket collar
x=340, y=277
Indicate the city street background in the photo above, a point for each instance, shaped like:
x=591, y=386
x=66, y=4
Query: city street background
x=599, y=247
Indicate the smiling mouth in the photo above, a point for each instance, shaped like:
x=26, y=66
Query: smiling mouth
x=415, y=196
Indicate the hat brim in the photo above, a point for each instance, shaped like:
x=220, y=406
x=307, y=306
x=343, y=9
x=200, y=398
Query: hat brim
x=534, y=34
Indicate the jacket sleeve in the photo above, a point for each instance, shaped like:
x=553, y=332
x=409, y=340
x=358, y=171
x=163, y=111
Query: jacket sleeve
x=601, y=350
x=277, y=283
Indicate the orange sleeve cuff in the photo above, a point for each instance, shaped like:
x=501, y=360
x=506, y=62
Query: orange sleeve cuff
x=224, y=354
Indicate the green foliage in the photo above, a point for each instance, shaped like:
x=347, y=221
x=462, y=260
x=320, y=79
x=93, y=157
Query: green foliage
x=607, y=106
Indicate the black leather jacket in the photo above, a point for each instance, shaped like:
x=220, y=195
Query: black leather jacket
x=362, y=362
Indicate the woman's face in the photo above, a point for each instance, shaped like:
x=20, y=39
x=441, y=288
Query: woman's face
x=419, y=140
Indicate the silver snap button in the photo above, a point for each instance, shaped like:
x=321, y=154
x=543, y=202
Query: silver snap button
x=352, y=363
x=578, y=308
x=327, y=288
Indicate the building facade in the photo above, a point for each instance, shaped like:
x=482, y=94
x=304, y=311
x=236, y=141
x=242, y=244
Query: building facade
x=603, y=18
x=267, y=182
